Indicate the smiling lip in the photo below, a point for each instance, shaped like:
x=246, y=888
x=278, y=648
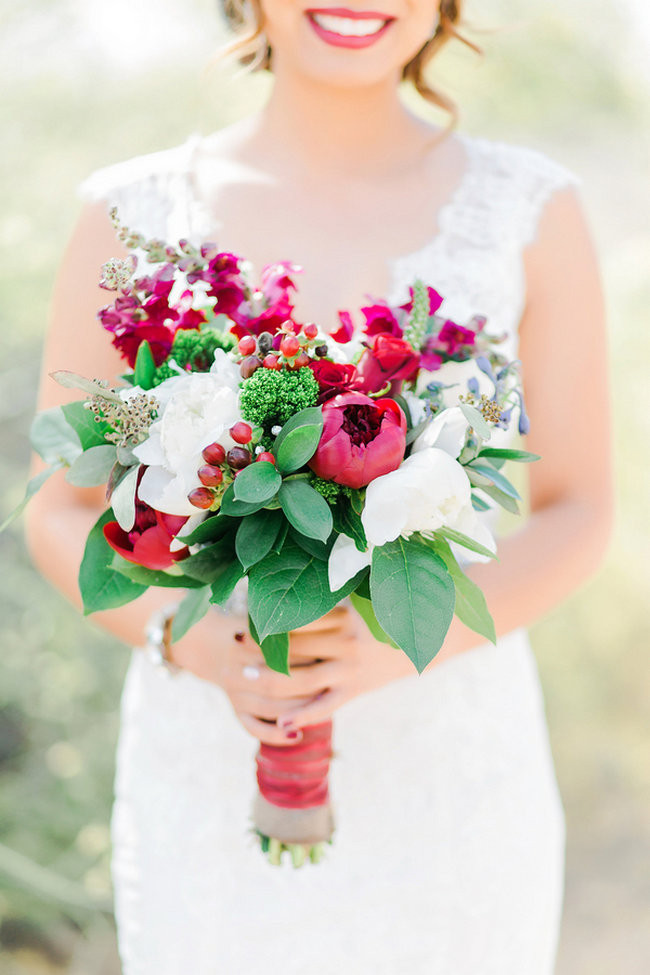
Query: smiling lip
x=347, y=40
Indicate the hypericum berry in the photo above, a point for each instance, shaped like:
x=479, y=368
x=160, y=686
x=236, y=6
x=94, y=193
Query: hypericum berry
x=247, y=345
x=271, y=362
x=214, y=454
x=310, y=330
x=302, y=359
x=249, y=365
x=209, y=475
x=321, y=350
x=241, y=433
x=266, y=455
x=264, y=342
x=238, y=458
x=201, y=497
x=289, y=346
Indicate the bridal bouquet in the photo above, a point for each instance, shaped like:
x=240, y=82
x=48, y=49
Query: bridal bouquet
x=242, y=443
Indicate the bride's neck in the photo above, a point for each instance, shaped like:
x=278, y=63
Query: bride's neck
x=320, y=127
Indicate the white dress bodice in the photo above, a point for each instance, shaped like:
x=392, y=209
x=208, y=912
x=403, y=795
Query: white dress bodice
x=448, y=854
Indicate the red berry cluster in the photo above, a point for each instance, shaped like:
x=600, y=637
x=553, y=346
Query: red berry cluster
x=294, y=346
x=221, y=467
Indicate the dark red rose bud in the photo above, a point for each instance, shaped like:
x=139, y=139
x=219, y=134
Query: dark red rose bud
x=264, y=342
x=210, y=476
x=266, y=455
x=214, y=454
x=290, y=346
x=241, y=433
x=271, y=362
x=249, y=365
x=247, y=345
x=201, y=497
x=238, y=458
x=310, y=330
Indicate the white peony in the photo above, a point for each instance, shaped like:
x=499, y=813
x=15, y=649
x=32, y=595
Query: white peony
x=429, y=490
x=446, y=431
x=197, y=409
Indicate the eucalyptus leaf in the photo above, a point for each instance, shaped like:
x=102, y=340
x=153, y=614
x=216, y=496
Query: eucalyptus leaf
x=494, y=477
x=193, y=608
x=413, y=597
x=459, y=538
x=100, y=585
x=521, y=456
x=476, y=420
x=71, y=380
x=471, y=608
x=123, y=499
x=34, y=484
x=298, y=439
x=53, y=438
x=93, y=467
x=478, y=504
x=306, y=509
x=505, y=500
x=259, y=482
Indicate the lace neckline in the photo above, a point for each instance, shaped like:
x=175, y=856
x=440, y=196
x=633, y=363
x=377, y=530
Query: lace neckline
x=200, y=217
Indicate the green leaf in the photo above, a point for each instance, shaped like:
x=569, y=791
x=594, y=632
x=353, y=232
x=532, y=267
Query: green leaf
x=256, y=536
x=478, y=504
x=413, y=597
x=461, y=539
x=211, y=530
x=471, y=608
x=53, y=438
x=93, y=467
x=290, y=589
x=492, y=476
x=348, y=522
x=275, y=649
x=475, y=420
x=314, y=546
x=145, y=367
x=306, y=509
x=153, y=577
x=367, y=614
x=231, y=506
x=90, y=431
x=298, y=439
x=208, y=564
x=33, y=485
x=100, y=585
x=259, y=481
x=123, y=499
x=193, y=608
x=71, y=380
x=225, y=582
x=500, y=497
x=521, y=456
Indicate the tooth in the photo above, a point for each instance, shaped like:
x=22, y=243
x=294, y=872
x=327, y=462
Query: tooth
x=348, y=26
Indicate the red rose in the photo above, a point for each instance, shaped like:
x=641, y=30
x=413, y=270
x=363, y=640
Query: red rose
x=333, y=378
x=387, y=359
x=148, y=541
x=362, y=439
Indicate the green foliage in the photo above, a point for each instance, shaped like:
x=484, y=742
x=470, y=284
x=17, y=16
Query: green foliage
x=93, y=467
x=298, y=439
x=271, y=397
x=257, y=483
x=145, y=367
x=89, y=428
x=194, y=348
x=413, y=597
x=256, y=536
x=53, y=438
x=306, y=509
x=274, y=647
x=471, y=608
x=193, y=608
x=330, y=490
x=100, y=585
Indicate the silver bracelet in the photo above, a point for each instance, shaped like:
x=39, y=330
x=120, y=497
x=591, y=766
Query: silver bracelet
x=158, y=636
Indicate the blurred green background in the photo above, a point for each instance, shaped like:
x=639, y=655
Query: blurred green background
x=87, y=83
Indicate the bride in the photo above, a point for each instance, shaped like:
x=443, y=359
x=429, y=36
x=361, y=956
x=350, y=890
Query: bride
x=448, y=857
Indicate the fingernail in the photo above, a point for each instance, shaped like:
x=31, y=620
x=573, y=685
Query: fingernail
x=293, y=735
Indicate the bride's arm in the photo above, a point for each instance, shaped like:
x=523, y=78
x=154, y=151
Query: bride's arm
x=564, y=356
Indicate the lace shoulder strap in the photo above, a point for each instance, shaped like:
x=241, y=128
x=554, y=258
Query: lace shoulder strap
x=505, y=192
x=147, y=190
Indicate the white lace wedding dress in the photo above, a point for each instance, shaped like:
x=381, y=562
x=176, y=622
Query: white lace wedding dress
x=448, y=853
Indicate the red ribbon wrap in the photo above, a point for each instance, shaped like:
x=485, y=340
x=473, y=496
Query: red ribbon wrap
x=295, y=776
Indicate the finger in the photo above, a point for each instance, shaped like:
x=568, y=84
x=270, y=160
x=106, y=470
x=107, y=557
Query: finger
x=266, y=708
x=323, y=646
x=320, y=709
x=335, y=619
x=303, y=681
x=268, y=731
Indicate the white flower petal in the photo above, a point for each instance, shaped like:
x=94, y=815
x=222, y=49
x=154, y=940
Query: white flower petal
x=345, y=561
x=446, y=431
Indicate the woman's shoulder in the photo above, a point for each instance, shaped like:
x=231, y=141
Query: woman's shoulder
x=148, y=167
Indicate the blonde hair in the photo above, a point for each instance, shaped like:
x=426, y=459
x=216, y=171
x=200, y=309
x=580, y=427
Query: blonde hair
x=250, y=46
